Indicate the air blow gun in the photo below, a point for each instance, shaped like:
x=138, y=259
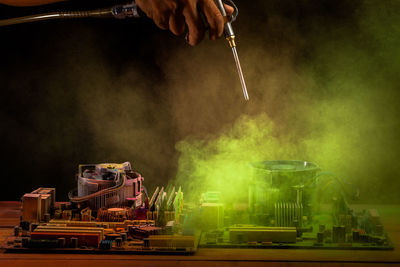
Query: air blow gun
x=230, y=37
x=131, y=10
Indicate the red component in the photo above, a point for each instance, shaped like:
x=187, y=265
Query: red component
x=140, y=214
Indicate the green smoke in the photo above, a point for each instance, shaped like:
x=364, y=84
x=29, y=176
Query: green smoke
x=222, y=163
x=331, y=98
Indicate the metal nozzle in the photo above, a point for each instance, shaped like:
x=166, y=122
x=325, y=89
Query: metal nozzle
x=230, y=37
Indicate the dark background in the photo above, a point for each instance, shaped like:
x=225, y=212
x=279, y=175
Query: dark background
x=105, y=90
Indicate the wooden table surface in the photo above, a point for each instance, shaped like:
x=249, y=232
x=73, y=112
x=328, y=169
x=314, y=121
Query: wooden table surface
x=390, y=215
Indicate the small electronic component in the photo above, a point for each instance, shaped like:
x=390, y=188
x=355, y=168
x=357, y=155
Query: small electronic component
x=31, y=207
x=212, y=216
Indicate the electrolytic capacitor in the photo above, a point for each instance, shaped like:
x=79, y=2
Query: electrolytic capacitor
x=356, y=236
x=74, y=242
x=61, y=242
x=17, y=230
x=118, y=242
x=124, y=237
x=320, y=237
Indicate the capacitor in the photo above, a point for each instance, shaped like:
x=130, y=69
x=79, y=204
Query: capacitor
x=118, y=242
x=124, y=236
x=320, y=237
x=364, y=238
x=61, y=242
x=25, y=225
x=57, y=214
x=146, y=242
x=356, y=236
x=342, y=235
x=17, y=230
x=74, y=242
x=334, y=234
x=46, y=217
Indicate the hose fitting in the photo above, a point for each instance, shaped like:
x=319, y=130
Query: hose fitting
x=119, y=11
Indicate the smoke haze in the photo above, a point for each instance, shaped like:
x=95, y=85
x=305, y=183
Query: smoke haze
x=322, y=80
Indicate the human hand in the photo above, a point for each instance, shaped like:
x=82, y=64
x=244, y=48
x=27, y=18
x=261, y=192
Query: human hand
x=175, y=14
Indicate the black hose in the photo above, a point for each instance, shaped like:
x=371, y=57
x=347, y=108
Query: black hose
x=98, y=13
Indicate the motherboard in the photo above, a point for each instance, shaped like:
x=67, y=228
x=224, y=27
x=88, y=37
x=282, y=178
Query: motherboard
x=289, y=204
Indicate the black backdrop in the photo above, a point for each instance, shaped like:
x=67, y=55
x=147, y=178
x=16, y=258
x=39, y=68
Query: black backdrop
x=44, y=135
